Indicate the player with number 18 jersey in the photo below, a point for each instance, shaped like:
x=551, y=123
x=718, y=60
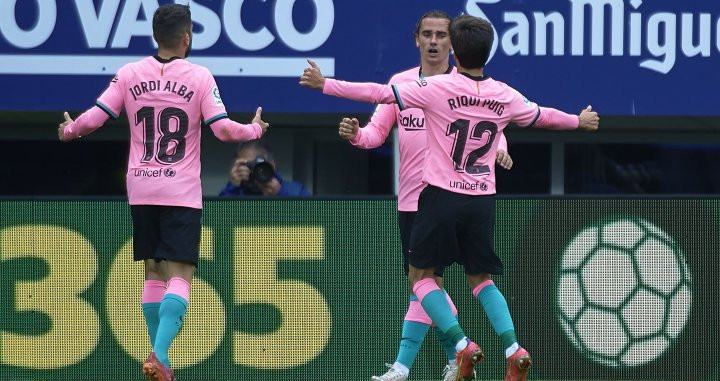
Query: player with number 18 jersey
x=166, y=102
x=166, y=99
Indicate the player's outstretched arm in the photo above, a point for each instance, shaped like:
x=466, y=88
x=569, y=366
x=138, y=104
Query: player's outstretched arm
x=228, y=130
x=85, y=124
x=588, y=119
x=553, y=119
x=362, y=92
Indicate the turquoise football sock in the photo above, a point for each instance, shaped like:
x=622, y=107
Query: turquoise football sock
x=172, y=311
x=413, y=334
x=446, y=343
x=497, y=311
x=437, y=307
x=151, y=311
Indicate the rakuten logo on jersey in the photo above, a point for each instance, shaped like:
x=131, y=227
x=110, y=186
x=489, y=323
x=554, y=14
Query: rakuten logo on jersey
x=412, y=122
x=632, y=32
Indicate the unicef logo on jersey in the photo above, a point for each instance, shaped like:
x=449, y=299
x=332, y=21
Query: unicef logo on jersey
x=142, y=172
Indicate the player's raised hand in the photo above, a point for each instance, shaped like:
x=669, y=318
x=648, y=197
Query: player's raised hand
x=503, y=159
x=312, y=77
x=258, y=119
x=61, y=128
x=589, y=119
x=348, y=128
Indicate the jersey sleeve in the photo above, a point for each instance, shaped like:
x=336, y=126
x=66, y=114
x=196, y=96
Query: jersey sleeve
x=357, y=91
x=523, y=112
x=212, y=106
x=373, y=135
x=112, y=99
x=414, y=94
x=553, y=119
x=86, y=123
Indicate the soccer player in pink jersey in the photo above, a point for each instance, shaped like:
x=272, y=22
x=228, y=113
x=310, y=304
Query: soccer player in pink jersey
x=166, y=99
x=432, y=38
x=464, y=111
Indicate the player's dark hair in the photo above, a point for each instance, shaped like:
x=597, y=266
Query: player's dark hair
x=170, y=23
x=433, y=14
x=258, y=145
x=471, y=38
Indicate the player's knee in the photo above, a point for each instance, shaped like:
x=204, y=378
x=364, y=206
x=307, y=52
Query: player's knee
x=417, y=274
x=153, y=270
x=476, y=279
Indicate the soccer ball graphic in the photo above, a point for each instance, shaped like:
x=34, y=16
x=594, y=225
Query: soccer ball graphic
x=623, y=292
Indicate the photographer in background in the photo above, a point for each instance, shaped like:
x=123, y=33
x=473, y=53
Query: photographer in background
x=254, y=173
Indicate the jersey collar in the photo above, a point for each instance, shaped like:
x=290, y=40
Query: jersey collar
x=476, y=78
x=163, y=60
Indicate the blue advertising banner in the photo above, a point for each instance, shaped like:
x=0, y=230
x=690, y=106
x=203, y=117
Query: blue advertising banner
x=625, y=57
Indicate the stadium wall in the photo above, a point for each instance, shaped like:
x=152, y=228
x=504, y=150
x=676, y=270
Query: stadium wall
x=314, y=289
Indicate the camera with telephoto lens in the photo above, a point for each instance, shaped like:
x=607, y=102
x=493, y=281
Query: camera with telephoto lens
x=261, y=171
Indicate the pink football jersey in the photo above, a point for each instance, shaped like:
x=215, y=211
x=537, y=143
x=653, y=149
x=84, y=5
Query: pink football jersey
x=411, y=137
x=166, y=103
x=464, y=118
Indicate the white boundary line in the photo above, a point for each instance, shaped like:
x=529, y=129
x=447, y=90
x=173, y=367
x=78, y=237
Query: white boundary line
x=18, y=64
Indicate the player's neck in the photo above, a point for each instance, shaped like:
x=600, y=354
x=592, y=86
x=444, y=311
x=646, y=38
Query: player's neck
x=428, y=70
x=473, y=72
x=169, y=53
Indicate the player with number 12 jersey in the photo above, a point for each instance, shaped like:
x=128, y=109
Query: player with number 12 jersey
x=466, y=116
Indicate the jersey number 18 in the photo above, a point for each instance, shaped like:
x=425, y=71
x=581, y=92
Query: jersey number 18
x=165, y=155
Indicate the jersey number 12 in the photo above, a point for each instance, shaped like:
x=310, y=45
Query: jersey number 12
x=481, y=131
